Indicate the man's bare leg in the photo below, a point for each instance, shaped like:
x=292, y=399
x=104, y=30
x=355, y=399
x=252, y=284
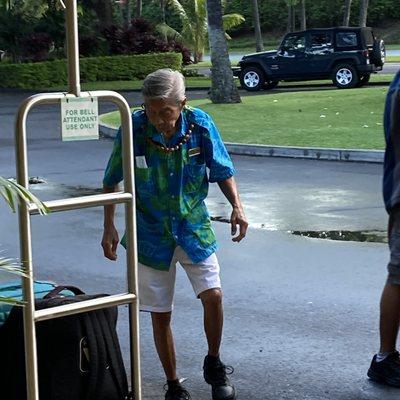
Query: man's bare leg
x=164, y=342
x=213, y=319
x=385, y=366
x=390, y=317
x=215, y=372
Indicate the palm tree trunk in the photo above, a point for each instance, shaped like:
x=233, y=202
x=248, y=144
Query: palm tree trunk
x=363, y=13
x=257, y=27
x=138, y=13
x=223, y=86
x=126, y=12
x=303, y=17
x=162, y=6
x=290, y=19
x=293, y=19
x=347, y=11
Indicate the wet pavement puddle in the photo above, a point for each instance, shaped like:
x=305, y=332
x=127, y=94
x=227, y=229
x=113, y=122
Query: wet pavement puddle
x=62, y=190
x=372, y=236
x=348, y=236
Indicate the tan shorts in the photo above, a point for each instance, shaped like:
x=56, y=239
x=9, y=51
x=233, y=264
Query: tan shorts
x=156, y=288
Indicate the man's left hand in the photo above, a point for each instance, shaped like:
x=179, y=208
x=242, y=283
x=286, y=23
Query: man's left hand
x=238, y=218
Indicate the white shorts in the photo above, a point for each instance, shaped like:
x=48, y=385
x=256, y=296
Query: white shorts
x=156, y=288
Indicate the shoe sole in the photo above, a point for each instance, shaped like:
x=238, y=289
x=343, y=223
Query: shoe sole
x=381, y=379
x=233, y=397
x=227, y=398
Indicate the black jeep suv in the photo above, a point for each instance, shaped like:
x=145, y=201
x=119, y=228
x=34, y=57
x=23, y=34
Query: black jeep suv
x=346, y=55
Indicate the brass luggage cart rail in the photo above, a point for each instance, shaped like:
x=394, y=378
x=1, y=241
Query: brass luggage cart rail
x=25, y=211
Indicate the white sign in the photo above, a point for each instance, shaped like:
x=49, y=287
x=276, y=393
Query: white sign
x=79, y=118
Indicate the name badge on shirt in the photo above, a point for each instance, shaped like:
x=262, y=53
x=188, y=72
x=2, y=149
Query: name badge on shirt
x=194, y=152
x=141, y=162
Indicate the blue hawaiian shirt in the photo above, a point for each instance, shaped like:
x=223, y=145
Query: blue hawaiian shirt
x=171, y=187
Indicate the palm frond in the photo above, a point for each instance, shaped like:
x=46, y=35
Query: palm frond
x=177, y=8
x=11, y=266
x=169, y=32
x=11, y=301
x=202, y=9
x=13, y=193
x=231, y=20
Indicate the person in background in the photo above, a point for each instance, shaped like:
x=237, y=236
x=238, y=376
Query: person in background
x=385, y=365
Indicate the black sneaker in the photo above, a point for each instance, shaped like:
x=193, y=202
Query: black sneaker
x=215, y=374
x=176, y=392
x=386, y=371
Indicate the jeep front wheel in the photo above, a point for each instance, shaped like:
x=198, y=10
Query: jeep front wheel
x=345, y=76
x=252, y=79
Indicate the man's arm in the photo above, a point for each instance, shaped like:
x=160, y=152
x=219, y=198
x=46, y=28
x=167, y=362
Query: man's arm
x=110, y=235
x=229, y=189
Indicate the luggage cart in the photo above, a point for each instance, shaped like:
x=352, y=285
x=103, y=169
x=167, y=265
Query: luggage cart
x=127, y=197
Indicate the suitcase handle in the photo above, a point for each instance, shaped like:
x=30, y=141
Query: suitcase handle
x=57, y=290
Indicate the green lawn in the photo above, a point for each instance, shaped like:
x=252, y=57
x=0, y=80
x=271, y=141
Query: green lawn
x=197, y=82
x=393, y=59
x=392, y=46
x=348, y=119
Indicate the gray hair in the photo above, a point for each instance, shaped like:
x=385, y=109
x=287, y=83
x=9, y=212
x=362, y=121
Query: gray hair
x=164, y=84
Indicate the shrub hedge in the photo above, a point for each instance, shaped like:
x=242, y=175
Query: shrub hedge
x=93, y=69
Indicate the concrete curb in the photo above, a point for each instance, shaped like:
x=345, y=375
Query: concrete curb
x=197, y=88
x=313, y=153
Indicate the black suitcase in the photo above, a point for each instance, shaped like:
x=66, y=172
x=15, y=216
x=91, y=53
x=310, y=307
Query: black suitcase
x=79, y=356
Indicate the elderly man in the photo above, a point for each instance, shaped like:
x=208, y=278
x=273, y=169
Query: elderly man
x=173, y=145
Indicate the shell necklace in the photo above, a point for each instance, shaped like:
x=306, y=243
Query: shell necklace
x=166, y=149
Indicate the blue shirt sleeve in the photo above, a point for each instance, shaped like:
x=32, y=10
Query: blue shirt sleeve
x=216, y=156
x=113, y=173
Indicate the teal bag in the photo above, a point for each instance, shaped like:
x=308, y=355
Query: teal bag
x=13, y=290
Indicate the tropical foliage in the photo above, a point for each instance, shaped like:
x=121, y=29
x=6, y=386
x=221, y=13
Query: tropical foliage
x=13, y=194
x=273, y=13
x=16, y=20
x=193, y=16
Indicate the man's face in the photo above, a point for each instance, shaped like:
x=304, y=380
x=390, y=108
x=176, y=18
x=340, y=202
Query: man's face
x=163, y=114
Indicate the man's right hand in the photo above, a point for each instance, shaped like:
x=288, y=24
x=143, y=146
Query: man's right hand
x=110, y=243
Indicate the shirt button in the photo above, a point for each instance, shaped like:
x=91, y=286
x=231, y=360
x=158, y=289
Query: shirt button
x=173, y=196
x=171, y=174
x=173, y=218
